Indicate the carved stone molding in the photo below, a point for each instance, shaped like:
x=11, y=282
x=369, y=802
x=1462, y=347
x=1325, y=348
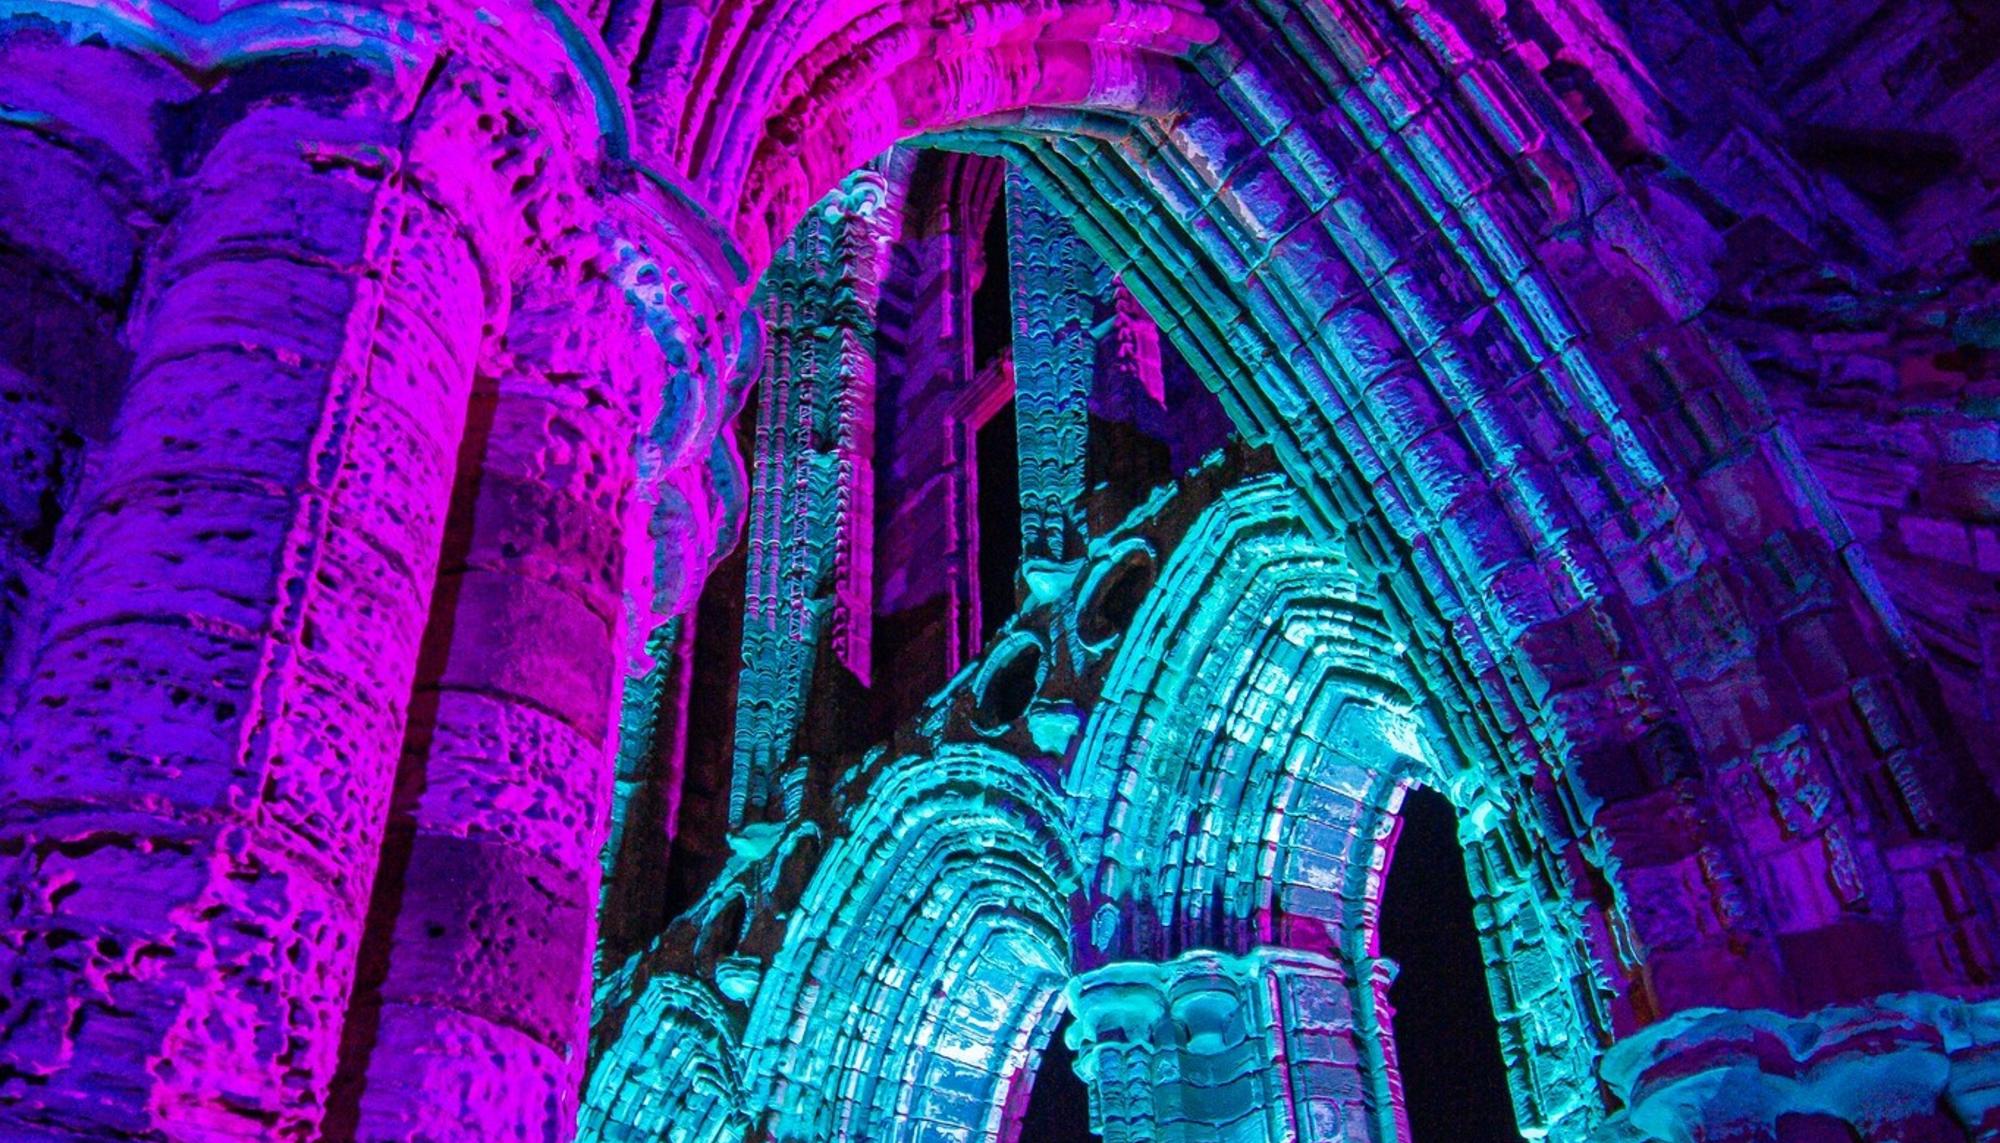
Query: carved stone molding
x=1210, y=1046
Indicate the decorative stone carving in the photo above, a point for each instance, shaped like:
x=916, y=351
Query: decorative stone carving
x=812, y=518
x=1260, y=1048
x=1057, y=281
x=1637, y=373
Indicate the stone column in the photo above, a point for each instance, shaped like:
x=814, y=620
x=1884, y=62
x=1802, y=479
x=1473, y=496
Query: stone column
x=1915, y=1067
x=40, y=455
x=652, y=760
x=479, y=1023
x=1213, y=1047
x=812, y=523
x=487, y=879
x=1057, y=282
x=202, y=759
x=72, y=204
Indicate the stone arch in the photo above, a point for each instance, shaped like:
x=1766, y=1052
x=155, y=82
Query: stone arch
x=774, y=108
x=678, y=1077
x=921, y=958
x=1216, y=681
x=835, y=981
x=1404, y=267
x=1408, y=271
x=1238, y=787
x=1375, y=231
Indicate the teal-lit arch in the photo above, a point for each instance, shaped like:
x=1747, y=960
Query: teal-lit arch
x=678, y=1077
x=930, y=940
x=1384, y=251
x=1240, y=753
x=1237, y=786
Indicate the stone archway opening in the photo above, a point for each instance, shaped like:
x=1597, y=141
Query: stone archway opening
x=1447, y=1043
x=1058, y=1109
x=1410, y=273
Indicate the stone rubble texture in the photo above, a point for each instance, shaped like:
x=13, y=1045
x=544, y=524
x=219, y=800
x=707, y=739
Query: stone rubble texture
x=1619, y=456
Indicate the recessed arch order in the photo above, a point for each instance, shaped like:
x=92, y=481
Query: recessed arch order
x=1243, y=748
x=1380, y=240
x=1390, y=253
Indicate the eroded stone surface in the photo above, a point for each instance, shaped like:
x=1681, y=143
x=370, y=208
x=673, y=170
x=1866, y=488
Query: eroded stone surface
x=366, y=382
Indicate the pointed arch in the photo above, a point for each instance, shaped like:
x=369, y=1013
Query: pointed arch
x=1238, y=788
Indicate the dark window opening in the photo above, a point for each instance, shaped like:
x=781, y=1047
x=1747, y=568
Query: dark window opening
x=1059, y=1102
x=1125, y=464
x=1140, y=440
x=716, y=667
x=1447, y=1042
x=996, y=454
x=993, y=297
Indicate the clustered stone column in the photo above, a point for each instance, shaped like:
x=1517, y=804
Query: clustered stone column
x=1056, y=281
x=812, y=519
x=1211, y=1046
x=68, y=250
x=348, y=588
x=506, y=775
x=203, y=750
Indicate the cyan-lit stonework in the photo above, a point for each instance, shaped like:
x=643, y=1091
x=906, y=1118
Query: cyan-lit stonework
x=746, y=571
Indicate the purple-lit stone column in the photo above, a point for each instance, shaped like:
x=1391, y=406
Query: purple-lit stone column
x=488, y=965
x=202, y=754
x=1210, y=1046
x=72, y=197
x=487, y=903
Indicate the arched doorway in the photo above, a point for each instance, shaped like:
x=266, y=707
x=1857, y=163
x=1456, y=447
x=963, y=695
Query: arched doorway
x=1447, y=1043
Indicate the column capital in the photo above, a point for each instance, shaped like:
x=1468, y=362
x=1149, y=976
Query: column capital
x=687, y=287
x=1197, y=1047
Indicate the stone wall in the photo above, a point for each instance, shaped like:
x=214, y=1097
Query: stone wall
x=365, y=396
